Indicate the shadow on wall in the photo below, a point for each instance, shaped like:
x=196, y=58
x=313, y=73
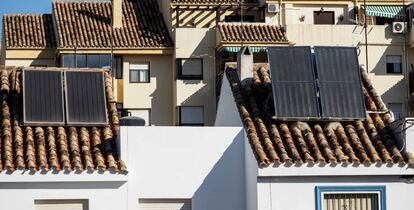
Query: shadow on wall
x=380, y=67
x=162, y=97
x=224, y=188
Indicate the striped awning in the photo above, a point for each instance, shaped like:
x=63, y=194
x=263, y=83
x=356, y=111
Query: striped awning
x=385, y=11
x=237, y=49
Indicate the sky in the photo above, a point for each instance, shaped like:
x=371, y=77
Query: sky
x=24, y=7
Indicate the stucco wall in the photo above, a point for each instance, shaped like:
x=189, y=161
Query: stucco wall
x=292, y=193
x=202, y=164
x=156, y=95
x=293, y=12
x=28, y=57
x=197, y=43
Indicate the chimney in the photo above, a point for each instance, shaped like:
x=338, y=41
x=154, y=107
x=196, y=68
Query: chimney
x=117, y=13
x=245, y=64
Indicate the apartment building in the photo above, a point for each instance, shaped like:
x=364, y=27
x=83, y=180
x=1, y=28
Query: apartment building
x=81, y=34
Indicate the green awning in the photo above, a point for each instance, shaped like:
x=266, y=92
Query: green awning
x=385, y=11
x=237, y=49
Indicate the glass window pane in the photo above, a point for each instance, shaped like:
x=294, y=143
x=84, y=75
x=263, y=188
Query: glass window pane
x=81, y=61
x=134, y=75
x=93, y=61
x=143, y=76
x=141, y=66
x=192, y=115
x=105, y=61
x=191, y=67
x=68, y=61
x=118, y=67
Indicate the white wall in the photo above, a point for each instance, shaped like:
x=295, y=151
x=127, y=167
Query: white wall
x=227, y=114
x=202, y=164
x=293, y=193
x=19, y=190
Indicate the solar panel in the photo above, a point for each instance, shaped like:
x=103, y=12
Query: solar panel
x=85, y=98
x=340, y=83
x=293, y=83
x=43, y=97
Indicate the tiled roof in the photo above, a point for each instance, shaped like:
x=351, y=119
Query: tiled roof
x=357, y=142
x=29, y=31
x=252, y=33
x=88, y=25
x=53, y=148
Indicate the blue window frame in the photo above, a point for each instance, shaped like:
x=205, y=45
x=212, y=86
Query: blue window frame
x=380, y=190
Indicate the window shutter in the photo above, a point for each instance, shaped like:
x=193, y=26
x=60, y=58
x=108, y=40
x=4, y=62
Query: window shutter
x=351, y=202
x=61, y=205
x=165, y=204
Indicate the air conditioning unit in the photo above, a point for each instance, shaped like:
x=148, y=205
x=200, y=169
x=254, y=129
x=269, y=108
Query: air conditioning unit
x=399, y=27
x=273, y=8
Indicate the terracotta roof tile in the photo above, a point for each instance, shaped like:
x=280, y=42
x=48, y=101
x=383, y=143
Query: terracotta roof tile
x=88, y=25
x=357, y=142
x=212, y=2
x=252, y=33
x=53, y=148
x=29, y=31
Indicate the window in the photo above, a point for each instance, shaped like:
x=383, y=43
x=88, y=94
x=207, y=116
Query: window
x=61, y=204
x=86, y=61
x=121, y=111
x=238, y=18
x=191, y=115
x=170, y=204
x=142, y=113
x=190, y=68
x=397, y=110
x=139, y=73
x=394, y=64
x=118, y=67
x=351, y=198
x=323, y=17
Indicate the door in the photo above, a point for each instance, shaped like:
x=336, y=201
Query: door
x=324, y=17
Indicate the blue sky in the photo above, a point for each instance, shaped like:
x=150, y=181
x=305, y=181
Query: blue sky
x=24, y=7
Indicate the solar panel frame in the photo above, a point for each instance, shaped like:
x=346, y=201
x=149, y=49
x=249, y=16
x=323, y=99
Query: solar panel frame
x=30, y=91
x=340, y=83
x=294, y=87
x=69, y=114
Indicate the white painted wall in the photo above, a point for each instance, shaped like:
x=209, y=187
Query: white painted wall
x=18, y=191
x=293, y=193
x=202, y=164
x=227, y=114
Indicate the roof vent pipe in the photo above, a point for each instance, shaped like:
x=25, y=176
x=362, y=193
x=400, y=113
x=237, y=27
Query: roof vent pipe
x=116, y=13
x=245, y=64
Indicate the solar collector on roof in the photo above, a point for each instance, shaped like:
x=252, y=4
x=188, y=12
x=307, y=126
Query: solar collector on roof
x=291, y=70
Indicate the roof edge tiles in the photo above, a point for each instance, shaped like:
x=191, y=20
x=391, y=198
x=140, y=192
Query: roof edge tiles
x=29, y=31
x=329, y=142
x=252, y=33
x=54, y=148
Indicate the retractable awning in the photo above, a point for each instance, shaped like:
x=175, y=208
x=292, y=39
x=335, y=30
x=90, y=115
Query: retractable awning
x=237, y=49
x=385, y=11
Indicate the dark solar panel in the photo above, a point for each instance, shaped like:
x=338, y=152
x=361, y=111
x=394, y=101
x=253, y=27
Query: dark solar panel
x=85, y=98
x=293, y=83
x=43, y=97
x=340, y=83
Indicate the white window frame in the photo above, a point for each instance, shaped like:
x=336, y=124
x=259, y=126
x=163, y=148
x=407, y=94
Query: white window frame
x=138, y=67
